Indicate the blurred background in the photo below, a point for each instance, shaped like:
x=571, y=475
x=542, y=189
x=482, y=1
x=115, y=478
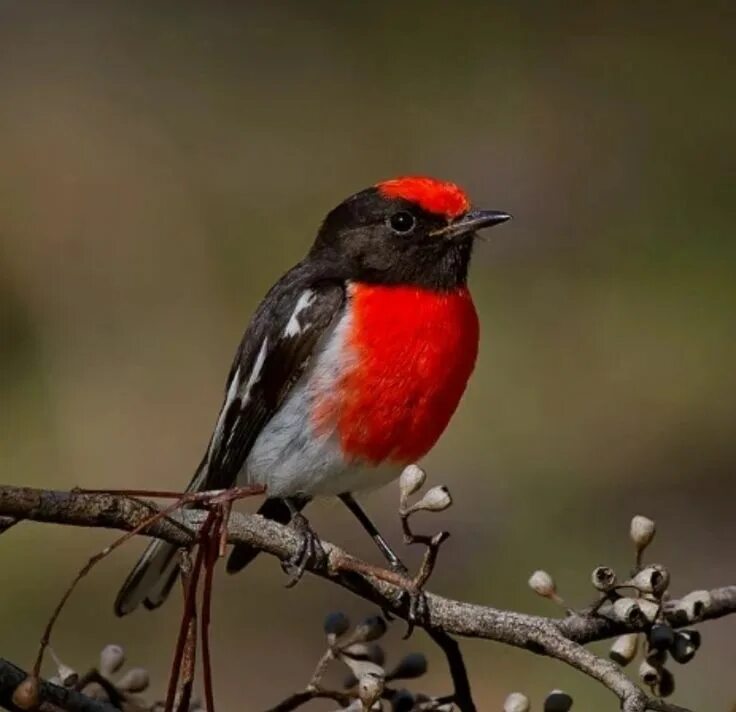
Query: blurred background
x=161, y=164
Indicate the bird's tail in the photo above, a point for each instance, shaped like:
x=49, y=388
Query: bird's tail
x=156, y=572
x=272, y=508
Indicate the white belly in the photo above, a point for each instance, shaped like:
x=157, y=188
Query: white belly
x=290, y=457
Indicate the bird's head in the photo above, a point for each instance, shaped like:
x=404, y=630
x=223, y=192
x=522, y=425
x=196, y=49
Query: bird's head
x=412, y=230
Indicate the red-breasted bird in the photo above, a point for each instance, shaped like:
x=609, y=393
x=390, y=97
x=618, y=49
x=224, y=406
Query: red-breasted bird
x=350, y=369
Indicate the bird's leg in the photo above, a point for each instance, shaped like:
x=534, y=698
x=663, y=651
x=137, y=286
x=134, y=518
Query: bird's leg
x=393, y=560
x=417, y=599
x=310, y=552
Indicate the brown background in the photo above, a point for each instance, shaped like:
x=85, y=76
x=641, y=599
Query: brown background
x=162, y=163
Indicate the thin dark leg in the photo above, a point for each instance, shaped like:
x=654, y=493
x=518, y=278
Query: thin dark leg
x=393, y=560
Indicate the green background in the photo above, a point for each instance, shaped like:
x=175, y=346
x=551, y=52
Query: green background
x=162, y=163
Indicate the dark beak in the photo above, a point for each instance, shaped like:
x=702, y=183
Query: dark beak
x=472, y=221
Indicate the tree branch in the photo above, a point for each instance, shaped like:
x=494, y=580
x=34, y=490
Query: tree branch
x=61, y=697
x=562, y=639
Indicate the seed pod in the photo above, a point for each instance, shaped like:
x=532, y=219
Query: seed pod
x=26, y=695
x=661, y=637
x=642, y=532
x=372, y=652
x=648, y=673
x=558, y=701
x=684, y=649
x=543, y=584
x=412, y=479
x=649, y=609
x=666, y=683
x=68, y=676
x=336, y=624
x=603, y=578
x=516, y=702
x=112, y=658
x=693, y=636
x=624, y=648
x=436, y=499
x=96, y=692
x=656, y=657
x=695, y=604
x=370, y=689
x=135, y=680
x=360, y=666
x=627, y=610
x=409, y=667
x=371, y=628
x=653, y=579
x=402, y=701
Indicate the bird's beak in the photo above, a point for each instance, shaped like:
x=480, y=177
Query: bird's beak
x=472, y=221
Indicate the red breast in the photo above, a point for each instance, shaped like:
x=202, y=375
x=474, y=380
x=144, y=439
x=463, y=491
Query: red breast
x=414, y=351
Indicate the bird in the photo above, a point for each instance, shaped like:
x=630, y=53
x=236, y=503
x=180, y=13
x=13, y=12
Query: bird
x=350, y=368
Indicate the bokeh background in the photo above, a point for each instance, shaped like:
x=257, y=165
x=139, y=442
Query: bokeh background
x=162, y=163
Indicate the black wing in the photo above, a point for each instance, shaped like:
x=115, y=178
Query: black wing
x=272, y=356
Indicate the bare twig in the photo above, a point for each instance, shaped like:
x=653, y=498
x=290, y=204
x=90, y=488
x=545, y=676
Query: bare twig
x=189, y=656
x=461, y=695
x=188, y=618
x=211, y=553
x=314, y=693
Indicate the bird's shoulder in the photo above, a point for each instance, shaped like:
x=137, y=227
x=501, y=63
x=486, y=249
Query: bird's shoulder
x=292, y=315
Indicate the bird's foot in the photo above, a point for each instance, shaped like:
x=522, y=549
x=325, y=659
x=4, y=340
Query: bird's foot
x=310, y=552
x=416, y=601
x=410, y=595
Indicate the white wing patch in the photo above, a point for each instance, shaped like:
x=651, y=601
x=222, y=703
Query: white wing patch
x=255, y=374
x=294, y=327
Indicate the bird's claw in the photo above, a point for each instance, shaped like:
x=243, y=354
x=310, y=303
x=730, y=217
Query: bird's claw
x=417, y=600
x=418, y=608
x=309, y=554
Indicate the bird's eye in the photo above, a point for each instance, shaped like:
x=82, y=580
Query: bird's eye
x=402, y=222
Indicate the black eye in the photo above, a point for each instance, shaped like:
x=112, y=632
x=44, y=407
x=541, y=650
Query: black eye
x=402, y=222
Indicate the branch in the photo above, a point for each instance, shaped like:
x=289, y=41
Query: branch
x=61, y=697
x=561, y=639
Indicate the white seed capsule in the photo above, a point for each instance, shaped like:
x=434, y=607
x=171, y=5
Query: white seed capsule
x=135, y=680
x=624, y=648
x=695, y=605
x=642, y=531
x=67, y=675
x=648, y=673
x=516, y=702
x=627, y=610
x=603, y=578
x=543, y=584
x=652, y=579
x=112, y=658
x=412, y=479
x=370, y=689
x=436, y=499
x=650, y=609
